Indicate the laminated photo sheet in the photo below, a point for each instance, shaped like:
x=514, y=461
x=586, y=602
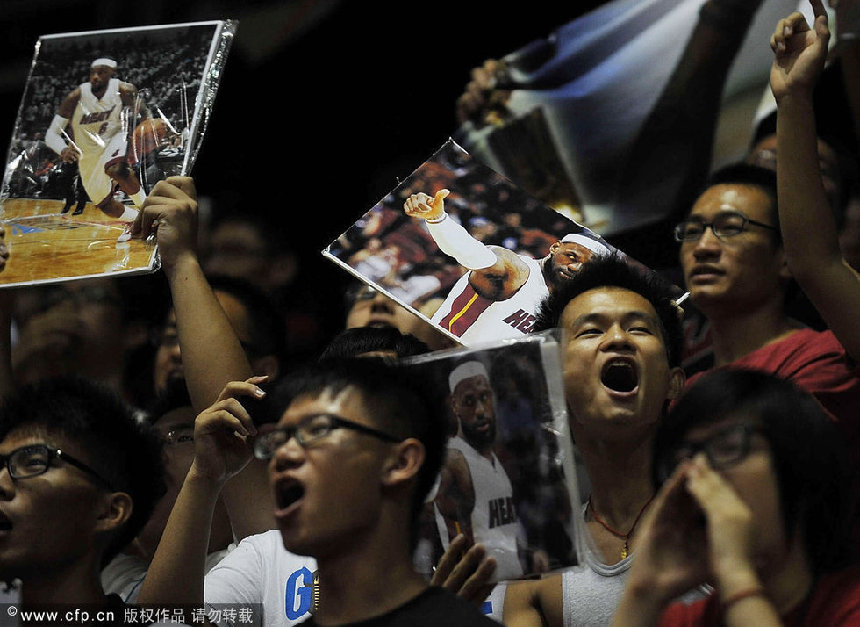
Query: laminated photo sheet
x=104, y=116
x=509, y=480
x=398, y=254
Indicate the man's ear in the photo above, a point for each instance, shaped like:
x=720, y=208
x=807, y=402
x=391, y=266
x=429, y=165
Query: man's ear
x=115, y=512
x=404, y=462
x=677, y=380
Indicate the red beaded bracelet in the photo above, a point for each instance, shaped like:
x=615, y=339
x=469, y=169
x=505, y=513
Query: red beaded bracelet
x=742, y=594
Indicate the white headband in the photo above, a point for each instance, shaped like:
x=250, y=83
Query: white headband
x=466, y=371
x=583, y=240
x=105, y=62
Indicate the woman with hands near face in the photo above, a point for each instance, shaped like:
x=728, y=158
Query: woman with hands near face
x=755, y=503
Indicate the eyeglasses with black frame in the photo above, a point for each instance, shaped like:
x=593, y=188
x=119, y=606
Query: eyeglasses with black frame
x=309, y=430
x=723, y=449
x=179, y=434
x=33, y=460
x=725, y=224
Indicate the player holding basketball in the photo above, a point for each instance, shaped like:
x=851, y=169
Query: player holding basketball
x=498, y=297
x=99, y=114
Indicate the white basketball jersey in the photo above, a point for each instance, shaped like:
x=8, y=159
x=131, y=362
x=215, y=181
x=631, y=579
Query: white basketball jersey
x=495, y=523
x=96, y=120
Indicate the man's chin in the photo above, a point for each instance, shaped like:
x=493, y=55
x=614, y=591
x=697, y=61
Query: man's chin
x=481, y=439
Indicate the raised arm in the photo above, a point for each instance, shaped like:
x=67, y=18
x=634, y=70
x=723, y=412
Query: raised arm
x=221, y=450
x=808, y=227
x=496, y=273
x=670, y=157
x=212, y=355
x=211, y=352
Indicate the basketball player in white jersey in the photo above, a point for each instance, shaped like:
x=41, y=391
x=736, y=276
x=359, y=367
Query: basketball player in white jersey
x=498, y=297
x=91, y=128
x=475, y=495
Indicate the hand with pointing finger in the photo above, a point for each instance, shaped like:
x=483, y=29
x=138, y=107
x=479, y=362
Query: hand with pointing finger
x=800, y=53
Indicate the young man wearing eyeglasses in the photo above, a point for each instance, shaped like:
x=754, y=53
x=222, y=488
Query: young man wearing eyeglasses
x=735, y=268
x=351, y=460
x=79, y=477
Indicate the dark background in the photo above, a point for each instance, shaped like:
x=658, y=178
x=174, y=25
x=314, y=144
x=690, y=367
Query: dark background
x=324, y=104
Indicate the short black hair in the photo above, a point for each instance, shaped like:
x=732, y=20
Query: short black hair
x=175, y=396
x=742, y=173
x=352, y=342
x=808, y=455
x=395, y=400
x=122, y=447
x=616, y=271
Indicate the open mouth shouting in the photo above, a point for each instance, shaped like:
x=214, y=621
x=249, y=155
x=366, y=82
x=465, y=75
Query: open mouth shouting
x=620, y=377
x=288, y=496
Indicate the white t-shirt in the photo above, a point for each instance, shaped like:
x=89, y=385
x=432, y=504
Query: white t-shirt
x=261, y=571
x=125, y=573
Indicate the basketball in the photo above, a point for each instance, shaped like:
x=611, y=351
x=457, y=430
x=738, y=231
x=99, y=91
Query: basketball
x=150, y=134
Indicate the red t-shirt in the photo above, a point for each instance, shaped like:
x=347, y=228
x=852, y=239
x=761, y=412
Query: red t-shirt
x=835, y=600
x=816, y=362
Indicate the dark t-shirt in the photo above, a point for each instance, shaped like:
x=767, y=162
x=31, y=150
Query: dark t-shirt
x=434, y=607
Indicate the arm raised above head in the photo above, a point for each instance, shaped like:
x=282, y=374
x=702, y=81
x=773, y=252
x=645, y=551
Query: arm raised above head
x=806, y=218
x=212, y=354
x=221, y=451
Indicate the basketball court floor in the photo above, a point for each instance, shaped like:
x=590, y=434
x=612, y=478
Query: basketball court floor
x=46, y=245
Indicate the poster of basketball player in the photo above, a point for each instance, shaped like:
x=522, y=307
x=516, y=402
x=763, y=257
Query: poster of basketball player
x=509, y=480
x=465, y=248
x=104, y=116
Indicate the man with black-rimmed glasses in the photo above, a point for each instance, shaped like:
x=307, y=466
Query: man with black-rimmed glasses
x=735, y=268
x=79, y=477
x=354, y=453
